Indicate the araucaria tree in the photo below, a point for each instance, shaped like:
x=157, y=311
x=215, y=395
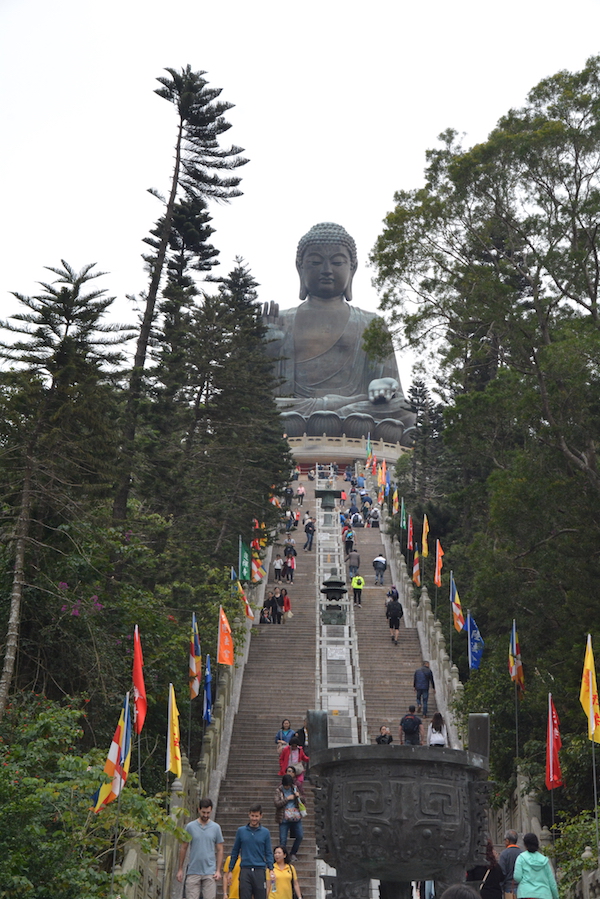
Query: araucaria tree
x=55, y=424
x=497, y=260
x=202, y=170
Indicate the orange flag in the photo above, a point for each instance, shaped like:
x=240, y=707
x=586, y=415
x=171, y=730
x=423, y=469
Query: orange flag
x=439, y=552
x=424, y=541
x=225, y=642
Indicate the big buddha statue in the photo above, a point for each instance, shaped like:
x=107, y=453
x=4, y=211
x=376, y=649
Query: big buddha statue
x=328, y=384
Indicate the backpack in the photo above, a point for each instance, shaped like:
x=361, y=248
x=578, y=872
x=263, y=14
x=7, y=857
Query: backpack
x=409, y=724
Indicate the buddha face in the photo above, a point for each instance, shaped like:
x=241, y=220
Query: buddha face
x=326, y=270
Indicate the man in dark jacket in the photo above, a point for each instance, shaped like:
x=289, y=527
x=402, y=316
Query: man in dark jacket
x=507, y=861
x=309, y=530
x=394, y=612
x=422, y=682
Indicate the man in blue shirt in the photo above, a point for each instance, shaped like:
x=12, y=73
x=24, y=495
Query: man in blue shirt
x=206, y=855
x=253, y=843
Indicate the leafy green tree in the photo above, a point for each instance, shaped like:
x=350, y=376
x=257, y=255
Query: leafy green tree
x=53, y=844
x=494, y=262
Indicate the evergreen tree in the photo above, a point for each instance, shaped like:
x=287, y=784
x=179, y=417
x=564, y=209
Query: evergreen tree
x=202, y=170
x=57, y=436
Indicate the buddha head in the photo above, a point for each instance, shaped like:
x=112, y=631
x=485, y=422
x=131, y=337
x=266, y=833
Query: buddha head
x=326, y=262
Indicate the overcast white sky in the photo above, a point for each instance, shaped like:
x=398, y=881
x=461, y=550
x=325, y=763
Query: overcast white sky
x=335, y=105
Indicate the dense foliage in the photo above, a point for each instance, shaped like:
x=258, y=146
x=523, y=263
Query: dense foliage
x=495, y=265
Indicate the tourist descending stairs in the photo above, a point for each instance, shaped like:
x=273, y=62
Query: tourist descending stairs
x=279, y=682
x=387, y=670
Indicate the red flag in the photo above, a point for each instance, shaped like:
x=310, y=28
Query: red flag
x=416, y=569
x=553, y=744
x=139, y=688
x=225, y=640
x=410, y=544
x=439, y=552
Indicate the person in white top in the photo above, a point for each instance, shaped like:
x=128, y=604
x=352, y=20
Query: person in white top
x=436, y=732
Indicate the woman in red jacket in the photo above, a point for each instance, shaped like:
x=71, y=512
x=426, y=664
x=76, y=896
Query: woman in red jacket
x=293, y=755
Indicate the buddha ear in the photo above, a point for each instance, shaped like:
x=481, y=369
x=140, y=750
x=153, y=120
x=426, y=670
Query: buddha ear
x=303, y=288
x=348, y=290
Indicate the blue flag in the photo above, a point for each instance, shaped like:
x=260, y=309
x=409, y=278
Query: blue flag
x=207, y=692
x=476, y=643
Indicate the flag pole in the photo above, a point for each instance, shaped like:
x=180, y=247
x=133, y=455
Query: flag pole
x=139, y=742
x=435, y=604
x=114, y=860
x=550, y=751
x=469, y=636
x=451, y=614
x=516, y=720
x=190, y=729
x=592, y=727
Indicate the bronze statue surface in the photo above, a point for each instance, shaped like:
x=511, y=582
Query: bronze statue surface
x=328, y=383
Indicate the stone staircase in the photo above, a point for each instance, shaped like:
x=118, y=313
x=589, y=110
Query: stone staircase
x=387, y=670
x=279, y=682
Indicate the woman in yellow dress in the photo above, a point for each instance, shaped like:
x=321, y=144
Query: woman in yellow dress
x=284, y=877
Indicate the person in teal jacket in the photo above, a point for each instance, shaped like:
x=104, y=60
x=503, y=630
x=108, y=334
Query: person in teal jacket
x=533, y=872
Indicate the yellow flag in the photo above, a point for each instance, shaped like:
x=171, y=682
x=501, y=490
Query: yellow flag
x=424, y=544
x=173, y=743
x=588, y=695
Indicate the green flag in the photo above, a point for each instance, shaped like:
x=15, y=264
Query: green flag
x=244, y=566
x=403, y=515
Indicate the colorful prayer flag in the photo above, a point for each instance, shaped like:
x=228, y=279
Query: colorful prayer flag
x=195, y=662
x=476, y=644
x=225, y=640
x=369, y=450
x=403, y=515
x=424, y=543
x=247, y=607
x=416, y=569
x=457, y=613
x=588, y=695
x=173, y=740
x=140, y=703
x=515, y=665
x=117, y=762
x=439, y=552
x=206, y=714
x=410, y=538
x=395, y=504
x=374, y=466
x=553, y=744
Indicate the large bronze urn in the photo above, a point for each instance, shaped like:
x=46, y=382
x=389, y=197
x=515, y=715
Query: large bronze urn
x=399, y=814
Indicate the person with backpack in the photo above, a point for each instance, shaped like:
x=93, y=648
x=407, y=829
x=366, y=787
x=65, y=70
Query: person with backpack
x=411, y=728
x=394, y=612
x=358, y=582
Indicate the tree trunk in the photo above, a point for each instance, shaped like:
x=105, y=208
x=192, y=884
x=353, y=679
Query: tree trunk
x=135, y=382
x=14, y=621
